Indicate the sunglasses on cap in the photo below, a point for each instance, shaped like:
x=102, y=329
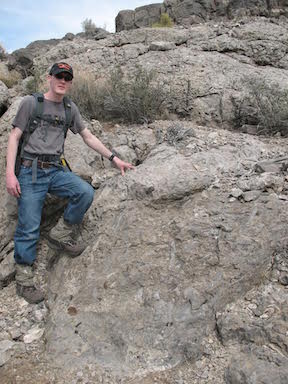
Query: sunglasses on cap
x=65, y=76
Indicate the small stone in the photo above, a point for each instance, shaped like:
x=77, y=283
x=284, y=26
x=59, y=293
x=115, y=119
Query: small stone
x=33, y=335
x=283, y=279
x=161, y=46
x=72, y=311
x=251, y=195
x=40, y=314
x=236, y=192
x=15, y=333
x=283, y=197
x=196, y=298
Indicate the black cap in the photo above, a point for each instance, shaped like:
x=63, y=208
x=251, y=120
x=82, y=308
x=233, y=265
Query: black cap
x=61, y=67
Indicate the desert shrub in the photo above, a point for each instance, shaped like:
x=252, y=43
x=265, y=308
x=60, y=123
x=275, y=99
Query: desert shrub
x=88, y=95
x=263, y=105
x=33, y=83
x=165, y=21
x=88, y=26
x=11, y=78
x=135, y=99
x=2, y=52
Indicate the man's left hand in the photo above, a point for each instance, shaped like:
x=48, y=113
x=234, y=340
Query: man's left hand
x=122, y=165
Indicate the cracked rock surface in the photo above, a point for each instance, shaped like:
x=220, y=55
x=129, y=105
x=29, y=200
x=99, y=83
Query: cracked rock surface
x=183, y=279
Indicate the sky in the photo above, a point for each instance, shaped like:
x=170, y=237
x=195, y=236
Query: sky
x=24, y=21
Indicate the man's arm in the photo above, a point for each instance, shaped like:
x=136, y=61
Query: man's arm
x=12, y=183
x=99, y=147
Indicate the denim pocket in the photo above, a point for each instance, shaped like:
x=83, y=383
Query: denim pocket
x=24, y=172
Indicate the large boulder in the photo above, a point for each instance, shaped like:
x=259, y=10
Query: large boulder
x=142, y=17
x=22, y=59
x=168, y=249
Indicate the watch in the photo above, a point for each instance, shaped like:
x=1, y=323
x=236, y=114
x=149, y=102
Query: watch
x=112, y=156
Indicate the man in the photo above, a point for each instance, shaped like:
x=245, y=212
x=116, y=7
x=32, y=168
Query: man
x=42, y=171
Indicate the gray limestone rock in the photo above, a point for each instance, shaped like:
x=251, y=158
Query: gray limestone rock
x=4, y=95
x=248, y=369
x=274, y=165
x=161, y=46
x=8, y=349
x=206, y=70
x=189, y=12
x=5, y=351
x=169, y=252
x=142, y=17
x=7, y=270
x=251, y=195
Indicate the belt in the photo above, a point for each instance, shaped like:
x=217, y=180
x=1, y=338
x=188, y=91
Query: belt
x=40, y=164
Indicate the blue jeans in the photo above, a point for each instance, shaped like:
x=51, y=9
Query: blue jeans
x=57, y=182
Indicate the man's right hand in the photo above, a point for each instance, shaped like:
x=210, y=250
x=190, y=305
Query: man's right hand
x=12, y=185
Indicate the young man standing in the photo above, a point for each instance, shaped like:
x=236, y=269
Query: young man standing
x=42, y=171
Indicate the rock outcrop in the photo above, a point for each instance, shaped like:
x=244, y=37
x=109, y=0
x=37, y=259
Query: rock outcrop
x=205, y=70
x=185, y=276
x=175, y=259
x=190, y=12
x=142, y=17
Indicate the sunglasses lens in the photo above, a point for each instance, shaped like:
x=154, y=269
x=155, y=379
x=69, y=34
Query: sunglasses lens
x=64, y=76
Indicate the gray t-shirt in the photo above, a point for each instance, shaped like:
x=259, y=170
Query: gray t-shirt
x=48, y=138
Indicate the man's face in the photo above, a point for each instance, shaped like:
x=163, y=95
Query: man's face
x=60, y=83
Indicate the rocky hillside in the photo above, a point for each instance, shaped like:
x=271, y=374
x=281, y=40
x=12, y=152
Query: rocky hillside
x=186, y=273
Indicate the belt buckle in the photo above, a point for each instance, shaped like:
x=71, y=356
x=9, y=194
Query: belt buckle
x=41, y=164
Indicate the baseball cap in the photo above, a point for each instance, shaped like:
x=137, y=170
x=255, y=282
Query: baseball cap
x=61, y=67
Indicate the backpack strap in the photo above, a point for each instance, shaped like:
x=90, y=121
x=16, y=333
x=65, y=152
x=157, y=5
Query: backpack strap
x=68, y=114
x=30, y=128
x=34, y=119
x=38, y=111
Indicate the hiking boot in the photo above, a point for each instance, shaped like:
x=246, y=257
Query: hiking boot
x=63, y=237
x=30, y=294
x=25, y=284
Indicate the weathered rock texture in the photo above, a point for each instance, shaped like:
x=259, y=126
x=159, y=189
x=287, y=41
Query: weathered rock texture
x=185, y=276
x=169, y=248
x=189, y=12
x=203, y=69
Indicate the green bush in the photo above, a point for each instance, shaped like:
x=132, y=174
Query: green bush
x=136, y=98
x=89, y=95
x=263, y=105
x=165, y=21
x=34, y=83
x=11, y=79
x=2, y=52
x=88, y=26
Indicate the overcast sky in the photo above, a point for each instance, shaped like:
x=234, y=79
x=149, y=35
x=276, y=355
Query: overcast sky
x=24, y=21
